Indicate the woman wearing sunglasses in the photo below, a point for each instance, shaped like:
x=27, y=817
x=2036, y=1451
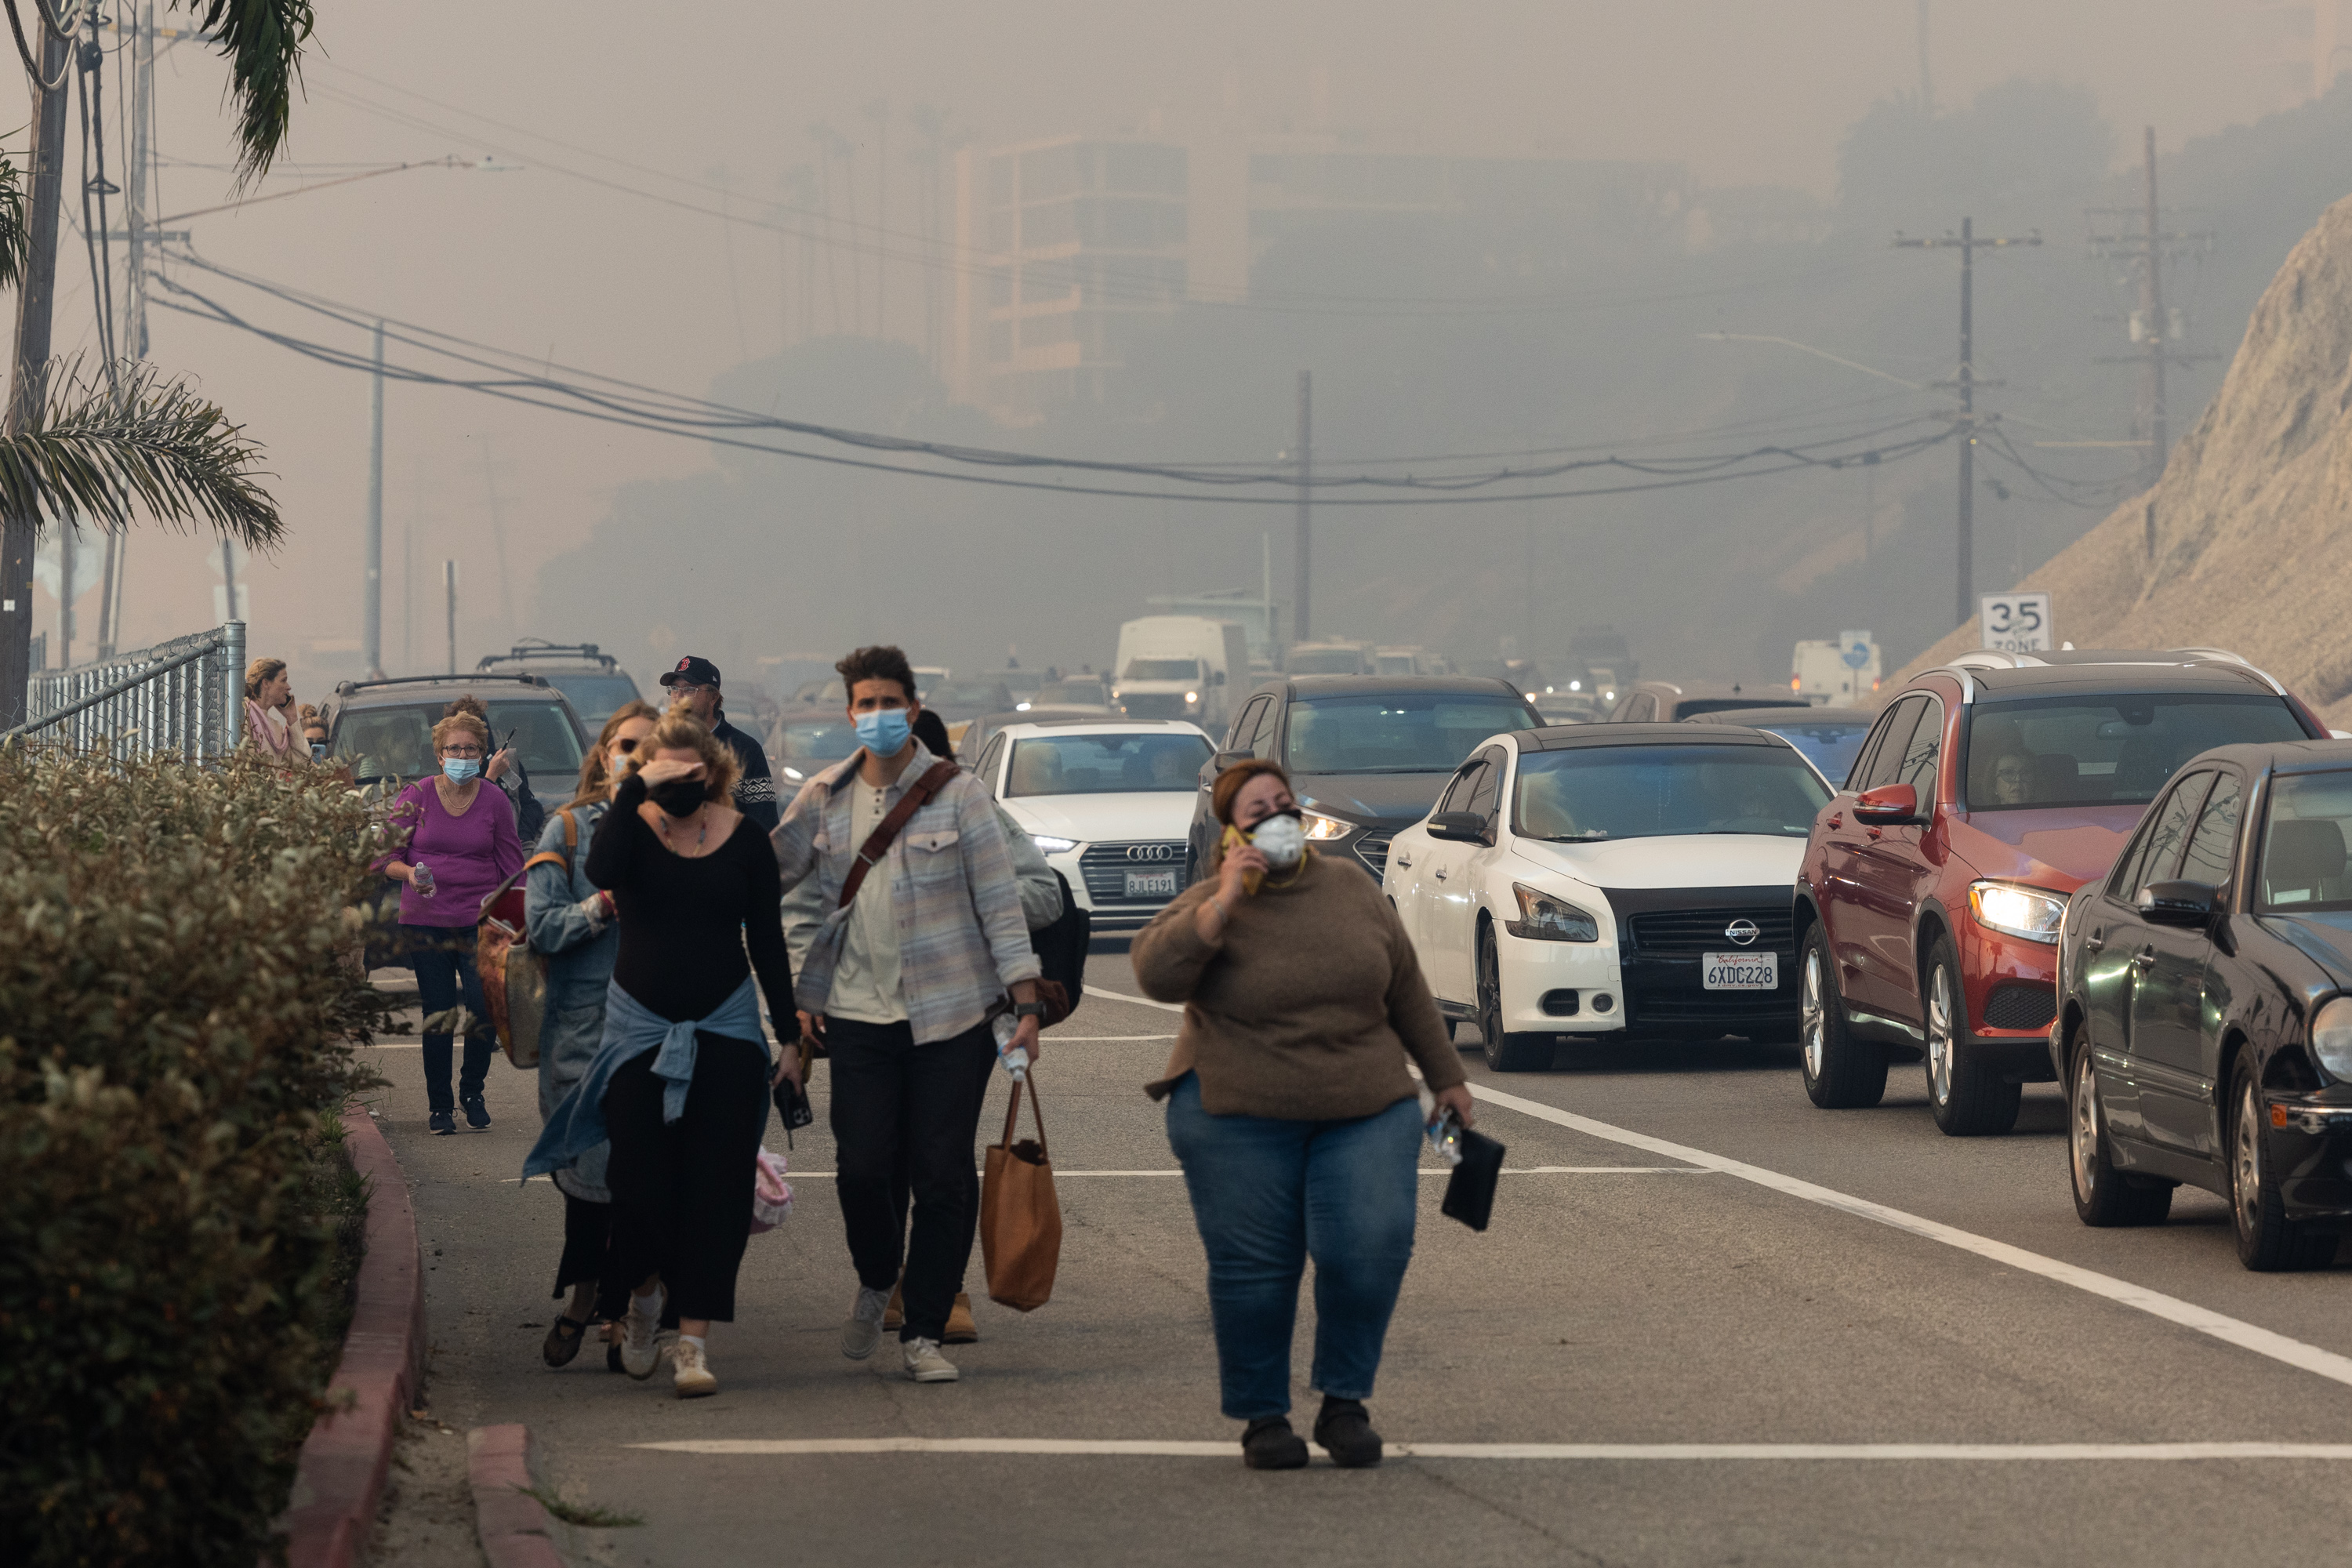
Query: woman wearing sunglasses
x=572, y=921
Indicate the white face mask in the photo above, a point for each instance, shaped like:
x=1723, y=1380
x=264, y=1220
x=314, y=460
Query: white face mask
x=1282, y=840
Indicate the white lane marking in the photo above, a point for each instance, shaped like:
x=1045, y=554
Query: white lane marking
x=1138, y=1001
x=1989, y=1453
x=2172, y=1309
x=1428, y=1174
x=1097, y=1040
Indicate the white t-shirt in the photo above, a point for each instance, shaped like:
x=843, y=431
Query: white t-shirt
x=866, y=984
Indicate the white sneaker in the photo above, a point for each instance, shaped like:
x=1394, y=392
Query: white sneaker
x=863, y=1332
x=926, y=1364
x=690, y=1364
x=641, y=1335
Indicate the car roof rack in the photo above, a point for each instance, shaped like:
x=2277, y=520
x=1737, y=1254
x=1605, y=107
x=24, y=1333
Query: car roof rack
x=1960, y=665
x=345, y=688
x=539, y=647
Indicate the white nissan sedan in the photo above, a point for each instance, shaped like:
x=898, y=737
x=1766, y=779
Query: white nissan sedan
x=1109, y=802
x=1596, y=879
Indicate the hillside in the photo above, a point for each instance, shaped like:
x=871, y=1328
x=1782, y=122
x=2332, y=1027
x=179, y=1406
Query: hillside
x=2242, y=544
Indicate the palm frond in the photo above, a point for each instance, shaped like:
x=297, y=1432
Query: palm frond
x=262, y=40
x=14, y=241
x=142, y=444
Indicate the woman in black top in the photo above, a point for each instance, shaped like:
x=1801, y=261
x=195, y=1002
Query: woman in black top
x=696, y=886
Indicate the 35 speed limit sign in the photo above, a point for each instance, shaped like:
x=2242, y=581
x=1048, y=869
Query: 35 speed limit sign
x=2015, y=623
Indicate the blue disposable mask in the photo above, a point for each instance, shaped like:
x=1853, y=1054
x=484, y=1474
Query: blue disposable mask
x=460, y=769
x=884, y=730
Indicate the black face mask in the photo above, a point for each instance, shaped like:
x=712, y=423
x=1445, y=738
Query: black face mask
x=676, y=797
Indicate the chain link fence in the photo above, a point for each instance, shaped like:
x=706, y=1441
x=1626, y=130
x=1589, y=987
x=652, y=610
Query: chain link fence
x=183, y=699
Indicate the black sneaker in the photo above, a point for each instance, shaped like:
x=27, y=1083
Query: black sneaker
x=477, y=1115
x=1269, y=1444
x=1345, y=1432
x=442, y=1121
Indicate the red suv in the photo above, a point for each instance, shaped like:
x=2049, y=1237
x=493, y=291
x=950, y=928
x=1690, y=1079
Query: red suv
x=1929, y=901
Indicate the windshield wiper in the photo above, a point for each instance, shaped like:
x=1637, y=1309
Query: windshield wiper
x=1568, y=838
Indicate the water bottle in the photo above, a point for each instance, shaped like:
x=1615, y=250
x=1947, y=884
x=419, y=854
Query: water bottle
x=1446, y=1137
x=1014, y=1063
x=421, y=878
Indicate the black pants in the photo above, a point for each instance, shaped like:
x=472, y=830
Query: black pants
x=587, y=1236
x=443, y=960
x=682, y=1190
x=894, y=1101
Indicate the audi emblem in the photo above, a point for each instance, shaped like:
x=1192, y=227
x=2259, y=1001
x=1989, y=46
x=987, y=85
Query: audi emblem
x=1153, y=851
x=1742, y=931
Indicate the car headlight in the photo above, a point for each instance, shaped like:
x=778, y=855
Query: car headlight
x=1322, y=829
x=2013, y=910
x=1048, y=844
x=1545, y=918
x=795, y=774
x=2331, y=1036
x=1192, y=696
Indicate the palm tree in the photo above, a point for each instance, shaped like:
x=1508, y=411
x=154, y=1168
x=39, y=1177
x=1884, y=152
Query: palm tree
x=110, y=449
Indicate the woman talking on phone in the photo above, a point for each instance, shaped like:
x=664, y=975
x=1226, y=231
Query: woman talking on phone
x=1290, y=1109
x=680, y=1082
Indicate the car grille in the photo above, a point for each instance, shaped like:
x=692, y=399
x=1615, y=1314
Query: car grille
x=2021, y=1007
x=1106, y=867
x=1692, y=932
x=1372, y=849
x=1154, y=705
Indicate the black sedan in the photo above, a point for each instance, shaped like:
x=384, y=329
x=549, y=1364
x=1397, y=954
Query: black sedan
x=2204, y=1028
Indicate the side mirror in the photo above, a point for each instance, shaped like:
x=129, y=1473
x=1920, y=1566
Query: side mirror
x=1458, y=828
x=2178, y=903
x=1224, y=759
x=1888, y=805
x=1217, y=677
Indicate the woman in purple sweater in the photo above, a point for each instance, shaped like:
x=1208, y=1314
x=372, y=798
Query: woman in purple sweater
x=461, y=845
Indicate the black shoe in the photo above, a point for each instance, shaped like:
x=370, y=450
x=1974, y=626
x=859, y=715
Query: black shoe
x=477, y=1115
x=1269, y=1444
x=1345, y=1432
x=564, y=1337
x=442, y=1121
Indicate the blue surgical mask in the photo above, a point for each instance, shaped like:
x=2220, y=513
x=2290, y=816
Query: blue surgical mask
x=884, y=730
x=460, y=769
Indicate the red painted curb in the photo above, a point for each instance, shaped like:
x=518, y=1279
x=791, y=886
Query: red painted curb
x=339, y=1480
x=515, y=1530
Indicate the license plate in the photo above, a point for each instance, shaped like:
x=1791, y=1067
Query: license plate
x=1151, y=884
x=1741, y=971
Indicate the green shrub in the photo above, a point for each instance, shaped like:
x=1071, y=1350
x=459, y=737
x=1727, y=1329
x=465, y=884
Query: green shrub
x=177, y=1013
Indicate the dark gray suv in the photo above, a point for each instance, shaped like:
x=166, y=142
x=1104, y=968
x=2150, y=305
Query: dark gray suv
x=383, y=729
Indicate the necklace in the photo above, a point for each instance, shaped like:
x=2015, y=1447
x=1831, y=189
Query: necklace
x=702, y=831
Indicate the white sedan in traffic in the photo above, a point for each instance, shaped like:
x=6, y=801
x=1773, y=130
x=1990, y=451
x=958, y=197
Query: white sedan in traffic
x=1611, y=879
x=1109, y=802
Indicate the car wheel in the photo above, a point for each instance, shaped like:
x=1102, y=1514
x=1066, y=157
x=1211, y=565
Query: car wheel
x=1970, y=1099
x=2103, y=1195
x=1503, y=1052
x=2267, y=1240
x=1842, y=1073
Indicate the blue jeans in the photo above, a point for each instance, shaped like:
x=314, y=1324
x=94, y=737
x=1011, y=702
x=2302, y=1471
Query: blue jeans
x=1266, y=1195
x=443, y=958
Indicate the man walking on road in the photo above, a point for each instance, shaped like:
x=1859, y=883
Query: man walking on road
x=694, y=684
x=900, y=981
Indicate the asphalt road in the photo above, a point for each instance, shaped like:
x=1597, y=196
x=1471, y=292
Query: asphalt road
x=1688, y=1338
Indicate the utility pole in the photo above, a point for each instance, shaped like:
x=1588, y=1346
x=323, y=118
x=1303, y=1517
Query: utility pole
x=1304, y=560
x=1966, y=384
x=28, y=386
x=1926, y=77
x=2153, y=330
x=2151, y=298
x=68, y=546
x=371, y=591
x=449, y=587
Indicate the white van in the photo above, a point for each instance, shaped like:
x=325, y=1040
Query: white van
x=1180, y=667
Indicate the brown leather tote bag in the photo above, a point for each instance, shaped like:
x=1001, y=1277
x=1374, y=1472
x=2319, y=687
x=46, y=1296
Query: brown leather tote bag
x=1020, y=1219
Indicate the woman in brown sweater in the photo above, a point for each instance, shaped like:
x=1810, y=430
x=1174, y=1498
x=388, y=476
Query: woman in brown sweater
x=1291, y=1111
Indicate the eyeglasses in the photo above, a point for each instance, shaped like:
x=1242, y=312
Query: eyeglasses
x=461, y=750
x=688, y=688
x=627, y=743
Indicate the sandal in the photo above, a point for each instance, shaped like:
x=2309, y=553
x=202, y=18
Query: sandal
x=563, y=1340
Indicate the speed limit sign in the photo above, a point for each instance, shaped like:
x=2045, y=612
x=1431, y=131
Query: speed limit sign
x=2015, y=623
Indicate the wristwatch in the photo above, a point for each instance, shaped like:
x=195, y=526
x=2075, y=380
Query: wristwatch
x=1028, y=1009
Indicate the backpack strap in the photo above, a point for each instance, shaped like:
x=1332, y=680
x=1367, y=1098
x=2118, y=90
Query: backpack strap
x=553, y=857
x=878, y=843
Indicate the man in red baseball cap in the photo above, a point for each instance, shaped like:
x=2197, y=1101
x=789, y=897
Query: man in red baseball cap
x=693, y=684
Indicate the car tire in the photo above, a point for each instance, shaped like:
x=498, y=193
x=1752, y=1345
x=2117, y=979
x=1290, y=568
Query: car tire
x=1503, y=1052
x=1970, y=1099
x=1840, y=1073
x=2104, y=1196
x=2268, y=1242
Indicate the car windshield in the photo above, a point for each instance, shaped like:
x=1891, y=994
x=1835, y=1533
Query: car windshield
x=1105, y=764
x=2106, y=751
x=1595, y=793
x=1328, y=661
x=816, y=741
x=1829, y=744
x=1161, y=669
x=593, y=697
x=397, y=742
x=982, y=696
x=2303, y=845
x=1410, y=732
x=1056, y=692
